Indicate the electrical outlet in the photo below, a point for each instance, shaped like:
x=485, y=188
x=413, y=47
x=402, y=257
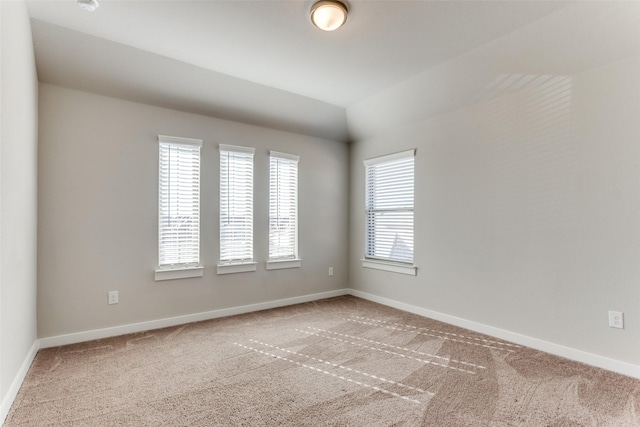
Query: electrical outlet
x=330, y=271
x=616, y=319
x=113, y=297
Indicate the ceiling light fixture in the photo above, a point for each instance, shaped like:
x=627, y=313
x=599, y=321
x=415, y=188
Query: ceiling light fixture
x=88, y=5
x=328, y=15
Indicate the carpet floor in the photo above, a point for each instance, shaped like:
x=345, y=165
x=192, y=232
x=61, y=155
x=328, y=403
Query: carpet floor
x=337, y=362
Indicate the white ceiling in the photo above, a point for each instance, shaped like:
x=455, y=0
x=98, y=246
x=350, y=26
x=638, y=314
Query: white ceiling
x=261, y=60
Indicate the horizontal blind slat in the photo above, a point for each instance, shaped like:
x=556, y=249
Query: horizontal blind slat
x=236, y=204
x=283, y=206
x=389, y=203
x=179, y=203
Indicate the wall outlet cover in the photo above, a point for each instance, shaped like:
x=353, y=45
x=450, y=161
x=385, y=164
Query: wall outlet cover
x=113, y=297
x=616, y=319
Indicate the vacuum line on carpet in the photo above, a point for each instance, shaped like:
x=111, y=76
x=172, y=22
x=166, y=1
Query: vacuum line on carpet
x=389, y=352
x=446, y=359
x=430, y=335
x=440, y=332
x=335, y=365
x=376, y=388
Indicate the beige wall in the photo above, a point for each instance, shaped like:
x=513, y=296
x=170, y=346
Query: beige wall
x=18, y=197
x=98, y=214
x=527, y=194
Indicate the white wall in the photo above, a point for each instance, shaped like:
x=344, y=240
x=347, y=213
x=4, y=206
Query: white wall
x=527, y=214
x=98, y=214
x=18, y=197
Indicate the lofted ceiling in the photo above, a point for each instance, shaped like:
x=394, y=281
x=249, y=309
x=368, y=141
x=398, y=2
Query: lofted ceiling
x=261, y=61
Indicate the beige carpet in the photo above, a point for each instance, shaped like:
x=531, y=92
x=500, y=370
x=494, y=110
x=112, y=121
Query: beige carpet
x=337, y=362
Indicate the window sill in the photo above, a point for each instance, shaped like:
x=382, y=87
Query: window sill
x=243, y=267
x=411, y=270
x=285, y=263
x=179, y=273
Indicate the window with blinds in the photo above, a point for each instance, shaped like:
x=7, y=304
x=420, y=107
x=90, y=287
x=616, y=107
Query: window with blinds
x=179, y=202
x=236, y=205
x=283, y=206
x=389, y=207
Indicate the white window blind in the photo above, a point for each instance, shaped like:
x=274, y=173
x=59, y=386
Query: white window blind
x=236, y=204
x=179, y=202
x=389, y=207
x=283, y=206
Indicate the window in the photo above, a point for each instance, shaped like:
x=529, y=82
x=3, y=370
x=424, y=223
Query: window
x=389, y=212
x=236, y=209
x=179, y=208
x=283, y=211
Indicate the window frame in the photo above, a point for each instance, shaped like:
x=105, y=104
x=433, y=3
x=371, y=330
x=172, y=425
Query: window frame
x=293, y=260
x=381, y=262
x=178, y=270
x=231, y=265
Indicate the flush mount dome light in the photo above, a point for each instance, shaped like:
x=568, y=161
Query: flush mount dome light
x=88, y=5
x=328, y=15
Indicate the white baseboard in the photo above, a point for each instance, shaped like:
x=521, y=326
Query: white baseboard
x=556, y=349
x=8, y=399
x=181, y=320
x=624, y=368
x=55, y=341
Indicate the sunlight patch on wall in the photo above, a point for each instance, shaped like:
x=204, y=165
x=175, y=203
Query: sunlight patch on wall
x=530, y=170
